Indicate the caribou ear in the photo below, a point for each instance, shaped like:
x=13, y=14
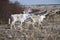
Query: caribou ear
x=47, y=15
x=45, y=11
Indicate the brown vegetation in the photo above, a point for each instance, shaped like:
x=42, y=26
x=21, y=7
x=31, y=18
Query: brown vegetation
x=7, y=8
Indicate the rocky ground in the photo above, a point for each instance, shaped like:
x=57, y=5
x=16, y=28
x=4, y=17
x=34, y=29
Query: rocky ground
x=49, y=32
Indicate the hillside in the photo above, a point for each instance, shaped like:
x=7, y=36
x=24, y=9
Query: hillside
x=50, y=29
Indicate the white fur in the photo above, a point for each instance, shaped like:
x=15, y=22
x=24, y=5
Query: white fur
x=38, y=18
x=18, y=17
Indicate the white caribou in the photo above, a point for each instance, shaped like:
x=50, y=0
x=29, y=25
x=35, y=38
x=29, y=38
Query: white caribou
x=38, y=18
x=22, y=17
x=18, y=17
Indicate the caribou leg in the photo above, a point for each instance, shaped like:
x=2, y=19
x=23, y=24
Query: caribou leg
x=13, y=24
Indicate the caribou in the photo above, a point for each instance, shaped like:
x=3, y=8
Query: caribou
x=18, y=17
x=22, y=17
x=38, y=18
